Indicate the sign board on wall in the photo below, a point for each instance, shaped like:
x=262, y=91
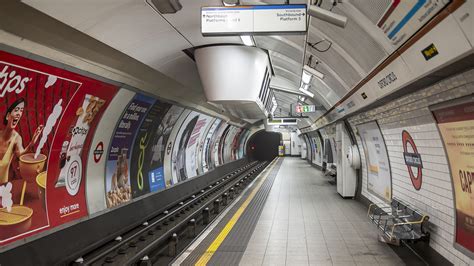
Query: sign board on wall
x=379, y=178
x=261, y=19
x=456, y=125
x=412, y=160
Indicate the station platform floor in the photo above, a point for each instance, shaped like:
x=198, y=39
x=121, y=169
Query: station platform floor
x=291, y=215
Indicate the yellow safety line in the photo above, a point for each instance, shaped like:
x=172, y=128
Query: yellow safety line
x=223, y=234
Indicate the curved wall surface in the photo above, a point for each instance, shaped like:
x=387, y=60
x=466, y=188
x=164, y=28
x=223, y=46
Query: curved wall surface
x=72, y=146
x=420, y=149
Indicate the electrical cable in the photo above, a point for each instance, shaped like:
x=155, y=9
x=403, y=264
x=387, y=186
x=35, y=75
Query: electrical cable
x=314, y=45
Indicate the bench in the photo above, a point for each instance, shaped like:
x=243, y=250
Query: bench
x=331, y=171
x=400, y=222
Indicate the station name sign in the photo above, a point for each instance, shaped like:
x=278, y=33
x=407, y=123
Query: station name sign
x=255, y=20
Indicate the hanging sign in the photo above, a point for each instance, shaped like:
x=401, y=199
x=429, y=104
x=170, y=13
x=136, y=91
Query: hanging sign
x=262, y=19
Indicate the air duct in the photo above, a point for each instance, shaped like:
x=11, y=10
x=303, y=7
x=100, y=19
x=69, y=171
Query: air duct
x=165, y=6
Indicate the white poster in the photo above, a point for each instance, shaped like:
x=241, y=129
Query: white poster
x=206, y=158
x=192, y=159
x=379, y=178
x=170, y=171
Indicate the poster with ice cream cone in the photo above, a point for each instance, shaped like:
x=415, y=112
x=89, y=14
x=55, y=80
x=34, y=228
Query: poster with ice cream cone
x=36, y=109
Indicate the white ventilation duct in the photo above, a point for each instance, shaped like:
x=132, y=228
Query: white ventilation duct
x=238, y=77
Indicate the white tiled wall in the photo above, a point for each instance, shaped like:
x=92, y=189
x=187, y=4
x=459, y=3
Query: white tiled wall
x=411, y=113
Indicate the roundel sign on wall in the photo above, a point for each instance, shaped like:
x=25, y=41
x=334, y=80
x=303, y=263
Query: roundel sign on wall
x=99, y=150
x=412, y=160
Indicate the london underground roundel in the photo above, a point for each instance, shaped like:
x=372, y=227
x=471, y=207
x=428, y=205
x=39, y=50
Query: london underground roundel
x=412, y=160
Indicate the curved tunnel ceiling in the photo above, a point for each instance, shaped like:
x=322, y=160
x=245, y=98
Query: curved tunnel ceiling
x=158, y=41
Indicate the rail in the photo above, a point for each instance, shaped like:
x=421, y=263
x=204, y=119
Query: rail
x=161, y=232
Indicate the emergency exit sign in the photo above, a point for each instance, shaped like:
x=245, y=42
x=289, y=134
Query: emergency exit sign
x=305, y=108
x=255, y=20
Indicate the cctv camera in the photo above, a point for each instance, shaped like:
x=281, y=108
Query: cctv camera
x=327, y=16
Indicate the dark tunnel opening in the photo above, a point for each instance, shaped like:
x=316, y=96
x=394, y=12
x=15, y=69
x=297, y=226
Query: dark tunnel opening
x=263, y=145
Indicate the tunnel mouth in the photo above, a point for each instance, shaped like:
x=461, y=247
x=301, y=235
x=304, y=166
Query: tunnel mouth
x=263, y=145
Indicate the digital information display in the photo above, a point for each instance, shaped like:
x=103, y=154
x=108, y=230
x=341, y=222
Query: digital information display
x=262, y=19
x=305, y=108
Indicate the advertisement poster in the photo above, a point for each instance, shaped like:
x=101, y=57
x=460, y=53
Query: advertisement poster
x=48, y=117
x=192, y=158
x=243, y=139
x=203, y=140
x=223, y=151
x=168, y=164
x=235, y=144
x=118, y=185
x=206, y=153
x=379, y=178
x=316, y=151
x=180, y=145
x=154, y=159
x=227, y=145
x=100, y=144
x=221, y=144
x=456, y=125
x=308, y=148
x=141, y=181
x=214, y=145
x=66, y=174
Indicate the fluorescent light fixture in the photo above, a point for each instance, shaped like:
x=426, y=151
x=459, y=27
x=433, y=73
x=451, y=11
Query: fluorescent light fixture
x=247, y=40
x=306, y=77
x=327, y=16
x=313, y=72
x=307, y=92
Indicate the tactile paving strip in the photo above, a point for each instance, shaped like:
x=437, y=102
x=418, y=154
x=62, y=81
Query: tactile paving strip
x=233, y=247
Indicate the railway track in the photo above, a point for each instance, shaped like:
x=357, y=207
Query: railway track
x=161, y=237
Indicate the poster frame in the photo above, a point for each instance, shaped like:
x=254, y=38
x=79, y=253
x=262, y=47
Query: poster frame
x=388, y=158
x=433, y=108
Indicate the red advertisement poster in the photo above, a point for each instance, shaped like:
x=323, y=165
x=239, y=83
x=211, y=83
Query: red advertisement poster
x=48, y=117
